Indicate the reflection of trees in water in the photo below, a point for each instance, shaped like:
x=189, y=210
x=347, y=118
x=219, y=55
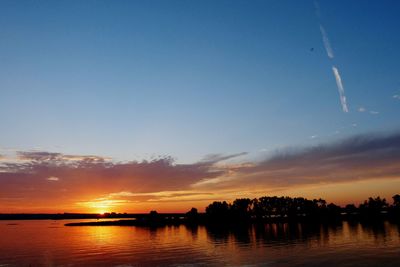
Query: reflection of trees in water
x=153, y=232
x=219, y=234
x=285, y=233
x=270, y=234
x=380, y=232
x=194, y=230
x=243, y=235
x=266, y=234
x=378, y=229
x=354, y=227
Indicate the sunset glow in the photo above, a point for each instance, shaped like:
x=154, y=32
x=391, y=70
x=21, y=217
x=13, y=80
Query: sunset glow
x=199, y=133
x=137, y=106
x=343, y=172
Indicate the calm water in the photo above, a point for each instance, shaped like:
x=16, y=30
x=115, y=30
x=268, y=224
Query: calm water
x=50, y=243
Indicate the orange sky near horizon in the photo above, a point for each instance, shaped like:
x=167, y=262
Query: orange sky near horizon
x=347, y=172
x=340, y=194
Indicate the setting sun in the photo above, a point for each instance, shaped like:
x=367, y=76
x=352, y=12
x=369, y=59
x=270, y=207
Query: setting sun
x=179, y=115
x=102, y=206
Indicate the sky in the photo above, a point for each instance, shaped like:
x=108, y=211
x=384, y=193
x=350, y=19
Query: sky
x=136, y=105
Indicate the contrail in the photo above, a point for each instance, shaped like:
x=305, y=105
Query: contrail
x=327, y=44
x=340, y=89
x=329, y=52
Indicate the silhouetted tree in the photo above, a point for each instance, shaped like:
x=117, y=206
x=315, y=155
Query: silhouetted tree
x=334, y=211
x=395, y=208
x=192, y=216
x=396, y=200
x=154, y=217
x=373, y=208
x=218, y=211
x=350, y=209
x=241, y=209
x=320, y=203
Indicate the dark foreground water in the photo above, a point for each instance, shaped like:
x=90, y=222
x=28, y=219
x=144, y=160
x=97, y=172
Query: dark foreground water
x=50, y=243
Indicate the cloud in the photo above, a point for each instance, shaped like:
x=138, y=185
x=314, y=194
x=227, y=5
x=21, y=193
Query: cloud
x=327, y=43
x=329, y=52
x=71, y=178
x=373, y=112
x=340, y=89
x=357, y=158
x=396, y=97
x=179, y=195
x=101, y=183
x=37, y=156
x=43, y=156
x=218, y=157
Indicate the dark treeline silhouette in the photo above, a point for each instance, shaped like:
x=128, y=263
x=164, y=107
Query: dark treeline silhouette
x=244, y=211
x=275, y=208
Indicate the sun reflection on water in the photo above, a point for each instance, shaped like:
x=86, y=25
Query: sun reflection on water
x=49, y=243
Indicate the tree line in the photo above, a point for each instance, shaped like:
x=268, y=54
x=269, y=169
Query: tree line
x=298, y=208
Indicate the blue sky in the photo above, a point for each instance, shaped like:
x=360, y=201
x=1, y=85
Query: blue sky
x=132, y=80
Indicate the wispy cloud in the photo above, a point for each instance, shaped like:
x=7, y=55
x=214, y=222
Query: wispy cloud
x=325, y=39
x=42, y=156
x=330, y=54
x=396, y=97
x=372, y=112
x=97, y=184
x=327, y=43
x=180, y=195
x=219, y=157
x=340, y=87
x=361, y=157
x=40, y=176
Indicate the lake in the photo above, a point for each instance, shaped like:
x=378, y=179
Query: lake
x=50, y=243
